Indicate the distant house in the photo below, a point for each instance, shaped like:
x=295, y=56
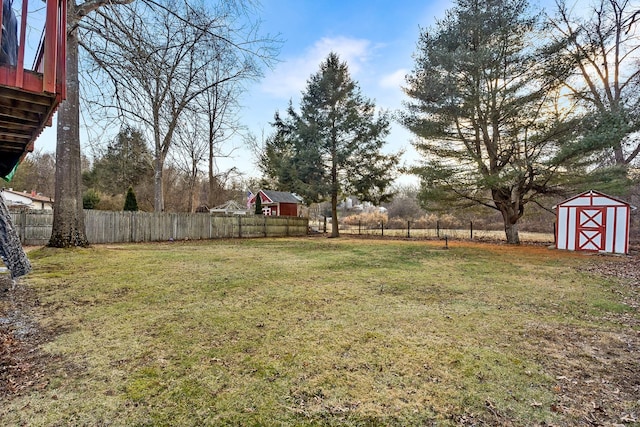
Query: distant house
x=33, y=200
x=277, y=203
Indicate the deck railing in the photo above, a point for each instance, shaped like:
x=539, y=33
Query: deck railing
x=50, y=53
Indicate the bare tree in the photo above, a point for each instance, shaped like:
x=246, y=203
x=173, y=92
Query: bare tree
x=68, y=220
x=36, y=172
x=405, y=204
x=190, y=155
x=601, y=54
x=220, y=106
x=156, y=57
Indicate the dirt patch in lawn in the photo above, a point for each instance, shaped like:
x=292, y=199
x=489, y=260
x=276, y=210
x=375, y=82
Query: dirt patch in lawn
x=22, y=364
x=597, y=374
x=598, y=371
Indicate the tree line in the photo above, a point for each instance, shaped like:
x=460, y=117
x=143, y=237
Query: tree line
x=127, y=162
x=125, y=166
x=172, y=69
x=509, y=106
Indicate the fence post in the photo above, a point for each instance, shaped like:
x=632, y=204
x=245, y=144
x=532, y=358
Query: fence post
x=471, y=227
x=23, y=226
x=408, y=228
x=554, y=233
x=382, y=227
x=239, y=226
x=359, y=224
x=438, y=229
x=325, y=224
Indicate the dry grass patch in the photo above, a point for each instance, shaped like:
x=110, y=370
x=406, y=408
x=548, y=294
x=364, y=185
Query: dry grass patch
x=326, y=332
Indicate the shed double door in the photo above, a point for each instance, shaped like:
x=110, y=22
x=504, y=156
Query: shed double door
x=591, y=228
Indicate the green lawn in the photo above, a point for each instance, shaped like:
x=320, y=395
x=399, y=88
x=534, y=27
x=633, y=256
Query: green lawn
x=317, y=331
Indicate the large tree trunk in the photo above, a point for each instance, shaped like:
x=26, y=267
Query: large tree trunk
x=334, y=214
x=68, y=215
x=210, y=198
x=158, y=181
x=334, y=196
x=510, y=205
x=193, y=196
x=511, y=231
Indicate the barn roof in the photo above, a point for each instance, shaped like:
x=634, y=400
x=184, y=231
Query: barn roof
x=597, y=196
x=281, y=196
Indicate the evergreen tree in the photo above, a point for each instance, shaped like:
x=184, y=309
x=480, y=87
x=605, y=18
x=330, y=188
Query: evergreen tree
x=126, y=162
x=130, y=202
x=489, y=120
x=258, y=210
x=333, y=146
x=90, y=199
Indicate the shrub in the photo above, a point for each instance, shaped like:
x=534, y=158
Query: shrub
x=111, y=203
x=130, y=202
x=90, y=199
x=370, y=219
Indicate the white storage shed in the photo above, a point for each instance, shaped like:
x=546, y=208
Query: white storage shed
x=593, y=221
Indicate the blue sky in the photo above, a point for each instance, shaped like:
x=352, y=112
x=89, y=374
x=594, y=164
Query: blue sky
x=375, y=37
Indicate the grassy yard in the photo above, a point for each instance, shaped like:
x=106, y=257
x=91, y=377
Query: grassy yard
x=316, y=331
x=432, y=233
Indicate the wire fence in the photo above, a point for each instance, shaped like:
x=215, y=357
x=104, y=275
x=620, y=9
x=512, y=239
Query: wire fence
x=435, y=232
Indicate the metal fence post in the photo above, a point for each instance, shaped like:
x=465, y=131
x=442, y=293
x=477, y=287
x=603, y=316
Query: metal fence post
x=408, y=228
x=438, y=229
x=382, y=227
x=471, y=227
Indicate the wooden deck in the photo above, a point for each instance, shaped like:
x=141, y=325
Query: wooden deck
x=29, y=98
x=24, y=113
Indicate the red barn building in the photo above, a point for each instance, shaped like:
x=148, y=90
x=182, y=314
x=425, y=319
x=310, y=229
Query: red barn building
x=277, y=203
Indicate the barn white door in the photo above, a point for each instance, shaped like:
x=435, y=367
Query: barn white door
x=591, y=228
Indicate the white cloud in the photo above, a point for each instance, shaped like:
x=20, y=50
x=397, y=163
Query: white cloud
x=289, y=78
x=394, y=80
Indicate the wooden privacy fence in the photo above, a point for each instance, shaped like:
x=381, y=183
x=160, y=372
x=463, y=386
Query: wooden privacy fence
x=34, y=227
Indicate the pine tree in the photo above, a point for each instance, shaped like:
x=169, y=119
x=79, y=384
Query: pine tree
x=333, y=146
x=489, y=120
x=130, y=202
x=126, y=162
